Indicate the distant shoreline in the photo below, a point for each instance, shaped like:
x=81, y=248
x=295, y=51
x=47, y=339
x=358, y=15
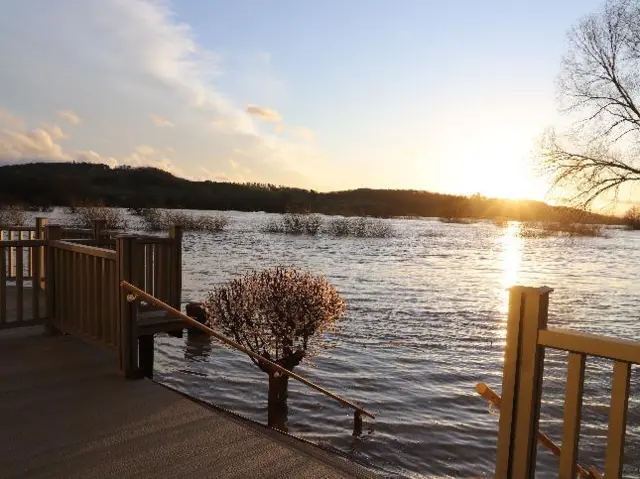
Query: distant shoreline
x=73, y=184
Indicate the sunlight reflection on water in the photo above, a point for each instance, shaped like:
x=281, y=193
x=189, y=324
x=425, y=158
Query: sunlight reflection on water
x=511, y=257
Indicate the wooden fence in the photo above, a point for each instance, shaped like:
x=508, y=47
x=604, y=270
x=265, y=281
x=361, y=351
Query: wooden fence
x=527, y=339
x=68, y=278
x=22, y=301
x=82, y=292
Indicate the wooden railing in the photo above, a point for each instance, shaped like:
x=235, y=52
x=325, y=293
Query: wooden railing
x=88, y=252
x=159, y=271
x=138, y=294
x=527, y=339
x=22, y=301
x=82, y=292
x=16, y=234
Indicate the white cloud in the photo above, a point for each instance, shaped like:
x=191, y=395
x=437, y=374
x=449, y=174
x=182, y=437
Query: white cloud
x=145, y=150
x=298, y=132
x=18, y=146
x=161, y=122
x=69, y=116
x=264, y=113
x=118, y=60
x=54, y=131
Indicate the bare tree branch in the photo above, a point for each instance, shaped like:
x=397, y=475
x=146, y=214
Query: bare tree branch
x=601, y=83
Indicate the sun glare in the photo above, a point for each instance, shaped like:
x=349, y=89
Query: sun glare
x=510, y=259
x=498, y=164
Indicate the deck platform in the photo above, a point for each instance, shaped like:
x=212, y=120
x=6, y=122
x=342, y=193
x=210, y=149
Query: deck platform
x=65, y=411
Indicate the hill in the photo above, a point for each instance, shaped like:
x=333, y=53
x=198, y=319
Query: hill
x=68, y=184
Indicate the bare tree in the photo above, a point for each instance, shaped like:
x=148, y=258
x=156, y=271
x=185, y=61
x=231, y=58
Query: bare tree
x=600, y=86
x=277, y=313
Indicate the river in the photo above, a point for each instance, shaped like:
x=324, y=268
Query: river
x=425, y=322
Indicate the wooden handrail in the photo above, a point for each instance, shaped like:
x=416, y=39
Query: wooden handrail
x=17, y=228
x=192, y=322
x=26, y=243
x=82, y=249
x=590, y=344
x=487, y=393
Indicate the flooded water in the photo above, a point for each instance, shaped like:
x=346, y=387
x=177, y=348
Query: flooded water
x=425, y=322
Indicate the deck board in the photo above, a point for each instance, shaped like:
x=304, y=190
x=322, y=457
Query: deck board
x=65, y=411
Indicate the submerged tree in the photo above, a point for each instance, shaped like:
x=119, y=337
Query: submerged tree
x=600, y=86
x=632, y=218
x=277, y=313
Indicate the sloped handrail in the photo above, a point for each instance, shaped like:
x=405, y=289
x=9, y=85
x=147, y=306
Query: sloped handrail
x=192, y=322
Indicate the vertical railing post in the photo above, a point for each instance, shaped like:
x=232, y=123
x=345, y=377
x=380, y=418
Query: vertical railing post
x=521, y=383
x=52, y=233
x=98, y=227
x=357, y=423
x=176, y=267
x=126, y=317
x=41, y=224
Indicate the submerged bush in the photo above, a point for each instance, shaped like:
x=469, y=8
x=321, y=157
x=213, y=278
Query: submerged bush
x=277, y=314
x=547, y=229
x=572, y=229
x=295, y=224
x=159, y=220
x=500, y=222
x=360, y=227
x=84, y=217
x=12, y=216
x=456, y=220
x=632, y=218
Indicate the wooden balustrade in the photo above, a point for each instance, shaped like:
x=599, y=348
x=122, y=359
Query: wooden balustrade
x=83, y=281
x=22, y=301
x=80, y=295
x=527, y=339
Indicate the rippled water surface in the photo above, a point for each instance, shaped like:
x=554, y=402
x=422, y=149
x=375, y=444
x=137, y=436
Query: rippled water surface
x=425, y=323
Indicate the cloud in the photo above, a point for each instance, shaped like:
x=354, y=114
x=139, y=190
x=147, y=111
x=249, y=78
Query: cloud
x=69, y=116
x=138, y=58
x=19, y=145
x=298, y=132
x=145, y=150
x=54, y=131
x=22, y=146
x=303, y=133
x=161, y=122
x=264, y=113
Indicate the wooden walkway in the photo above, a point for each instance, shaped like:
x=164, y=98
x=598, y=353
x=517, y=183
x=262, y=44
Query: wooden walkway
x=66, y=411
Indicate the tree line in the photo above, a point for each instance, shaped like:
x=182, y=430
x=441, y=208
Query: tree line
x=72, y=184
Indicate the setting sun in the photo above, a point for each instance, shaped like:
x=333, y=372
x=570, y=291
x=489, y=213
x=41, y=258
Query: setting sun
x=498, y=164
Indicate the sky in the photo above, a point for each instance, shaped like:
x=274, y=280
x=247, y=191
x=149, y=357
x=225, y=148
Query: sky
x=323, y=94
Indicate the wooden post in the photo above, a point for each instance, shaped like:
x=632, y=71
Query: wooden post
x=617, y=420
x=357, y=423
x=176, y=267
x=145, y=344
x=52, y=233
x=126, y=310
x=98, y=227
x=41, y=224
x=521, y=383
